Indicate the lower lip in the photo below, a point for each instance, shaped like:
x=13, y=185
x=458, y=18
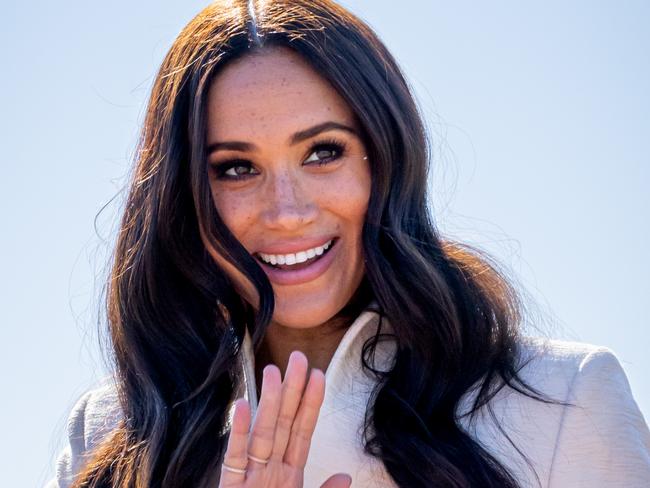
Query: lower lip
x=310, y=273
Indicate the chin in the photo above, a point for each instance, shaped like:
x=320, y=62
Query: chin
x=309, y=308
x=305, y=314
x=300, y=319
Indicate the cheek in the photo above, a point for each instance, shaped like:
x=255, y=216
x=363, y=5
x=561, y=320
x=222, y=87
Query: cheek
x=237, y=212
x=348, y=197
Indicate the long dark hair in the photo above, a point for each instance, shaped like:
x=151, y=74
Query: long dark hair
x=177, y=327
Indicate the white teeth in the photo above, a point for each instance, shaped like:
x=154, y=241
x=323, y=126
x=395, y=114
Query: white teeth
x=299, y=257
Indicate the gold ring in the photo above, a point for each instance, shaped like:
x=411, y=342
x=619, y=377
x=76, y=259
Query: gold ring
x=233, y=470
x=258, y=460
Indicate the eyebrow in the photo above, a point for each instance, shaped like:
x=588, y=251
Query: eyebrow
x=295, y=138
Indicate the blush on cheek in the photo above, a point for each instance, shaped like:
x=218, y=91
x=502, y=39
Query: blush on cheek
x=348, y=199
x=232, y=210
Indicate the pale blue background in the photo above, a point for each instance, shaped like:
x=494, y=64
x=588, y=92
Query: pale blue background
x=540, y=115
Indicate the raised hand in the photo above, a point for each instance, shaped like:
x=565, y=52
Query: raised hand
x=275, y=452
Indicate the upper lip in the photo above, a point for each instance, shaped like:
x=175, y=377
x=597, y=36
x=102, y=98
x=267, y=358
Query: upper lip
x=291, y=246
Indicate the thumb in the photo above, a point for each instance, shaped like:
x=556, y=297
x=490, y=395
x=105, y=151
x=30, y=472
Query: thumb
x=340, y=480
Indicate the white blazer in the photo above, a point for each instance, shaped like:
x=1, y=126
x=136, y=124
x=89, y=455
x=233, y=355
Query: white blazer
x=602, y=441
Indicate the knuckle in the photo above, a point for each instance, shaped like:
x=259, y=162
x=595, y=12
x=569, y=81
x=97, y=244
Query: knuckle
x=263, y=432
x=285, y=422
x=293, y=389
x=302, y=435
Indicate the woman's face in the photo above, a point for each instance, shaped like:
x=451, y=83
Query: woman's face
x=290, y=179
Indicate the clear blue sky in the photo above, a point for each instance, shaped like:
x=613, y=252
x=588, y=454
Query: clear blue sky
x=540, y=121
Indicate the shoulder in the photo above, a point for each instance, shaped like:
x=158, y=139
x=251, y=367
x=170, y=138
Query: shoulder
x=588, y=378
x=565, y=352
x=603, y=439
x=559, y=364
x=564, y=372
x=583, y=375
x=93, y=416
x=591, y=433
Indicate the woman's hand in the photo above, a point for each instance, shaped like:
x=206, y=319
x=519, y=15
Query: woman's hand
x=282, y=431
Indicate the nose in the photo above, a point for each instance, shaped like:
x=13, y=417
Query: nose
x=289, y=205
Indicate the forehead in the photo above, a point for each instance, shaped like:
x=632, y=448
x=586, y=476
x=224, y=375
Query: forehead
x=272, y=90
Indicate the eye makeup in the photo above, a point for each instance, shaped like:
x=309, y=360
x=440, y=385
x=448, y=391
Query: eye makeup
x=321, y=153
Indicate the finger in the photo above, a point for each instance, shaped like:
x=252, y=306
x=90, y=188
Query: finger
x=305, y=423
x=292, y=389
x=235, y=456
x=340, y=480
x=261, y=440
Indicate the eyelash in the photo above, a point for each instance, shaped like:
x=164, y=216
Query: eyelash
x=333, y=145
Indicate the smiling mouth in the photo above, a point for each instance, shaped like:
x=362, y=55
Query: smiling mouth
x=298, y=260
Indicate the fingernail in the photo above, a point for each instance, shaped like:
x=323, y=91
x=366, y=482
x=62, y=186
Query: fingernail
x=295, y=354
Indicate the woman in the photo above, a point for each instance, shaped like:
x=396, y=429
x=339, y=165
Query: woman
x=278, y=216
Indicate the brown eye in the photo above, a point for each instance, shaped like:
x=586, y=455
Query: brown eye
x=239, y=170
x=324, y=153
x=235, y=170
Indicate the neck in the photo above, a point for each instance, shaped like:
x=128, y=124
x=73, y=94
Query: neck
x=317, y=343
